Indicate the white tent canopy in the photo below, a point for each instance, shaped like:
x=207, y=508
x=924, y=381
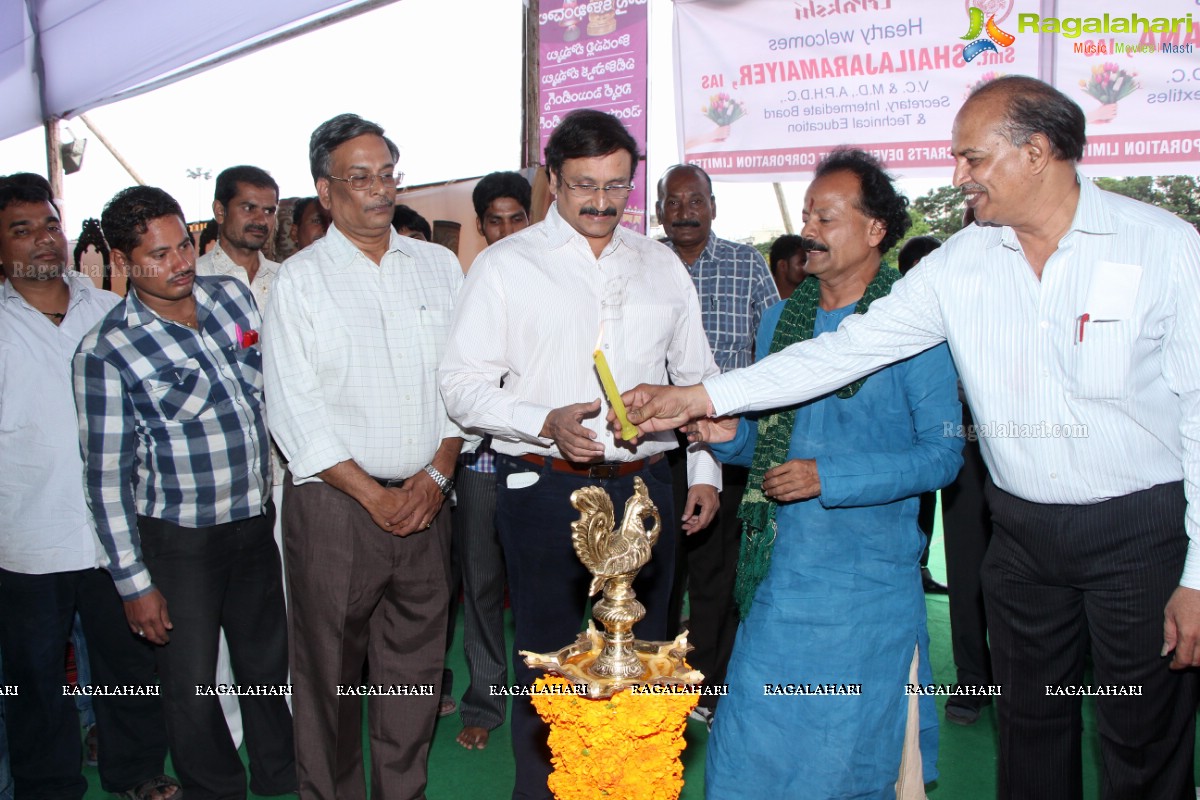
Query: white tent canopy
x=59, y=58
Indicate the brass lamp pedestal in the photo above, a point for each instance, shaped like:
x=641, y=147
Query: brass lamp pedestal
x=608, y=662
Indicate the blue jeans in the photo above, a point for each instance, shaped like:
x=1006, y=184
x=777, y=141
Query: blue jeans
x=83, y=674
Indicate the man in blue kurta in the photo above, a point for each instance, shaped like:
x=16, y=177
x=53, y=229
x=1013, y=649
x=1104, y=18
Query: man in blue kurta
x=829, y=581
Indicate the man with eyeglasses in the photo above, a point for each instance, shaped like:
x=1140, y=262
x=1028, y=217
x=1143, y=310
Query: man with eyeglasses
x=352, y=339
x=535, y=306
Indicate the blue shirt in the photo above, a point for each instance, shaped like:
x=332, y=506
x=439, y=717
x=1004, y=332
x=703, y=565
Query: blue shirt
x=735, y=287
x=171, y=421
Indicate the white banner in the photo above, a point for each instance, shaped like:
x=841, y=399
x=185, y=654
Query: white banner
x=764, y=88
x=1140, y=89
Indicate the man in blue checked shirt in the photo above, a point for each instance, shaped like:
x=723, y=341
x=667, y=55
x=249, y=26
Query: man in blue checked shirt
x=735, y=287
x=169, y=389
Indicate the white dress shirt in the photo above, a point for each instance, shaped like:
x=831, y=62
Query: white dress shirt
x=46, y=526
x=351, y=350
x=217, y=262
x=1061, y=418
x=532, y=310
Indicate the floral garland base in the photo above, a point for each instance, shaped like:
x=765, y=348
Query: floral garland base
x=625, y=747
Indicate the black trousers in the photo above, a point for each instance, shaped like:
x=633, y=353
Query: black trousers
x=548, y=584
x=36, y=616
x=706, y=569
x=967, y=528
x=1055, y=576
x=222, y=577
x=478, y=560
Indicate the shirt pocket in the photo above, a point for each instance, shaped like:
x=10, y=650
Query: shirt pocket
x=179, y=393
x=1100, y=361
x=249, y=363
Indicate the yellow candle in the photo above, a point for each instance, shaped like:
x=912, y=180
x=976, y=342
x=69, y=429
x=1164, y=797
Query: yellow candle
x=628, y=431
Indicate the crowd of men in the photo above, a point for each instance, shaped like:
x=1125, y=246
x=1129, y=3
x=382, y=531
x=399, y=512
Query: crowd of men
x=270, y=454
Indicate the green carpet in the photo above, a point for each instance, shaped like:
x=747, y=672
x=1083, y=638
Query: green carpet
x=967, y=757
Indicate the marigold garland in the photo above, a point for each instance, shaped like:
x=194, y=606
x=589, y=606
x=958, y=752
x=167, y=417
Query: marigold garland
x=625, y=747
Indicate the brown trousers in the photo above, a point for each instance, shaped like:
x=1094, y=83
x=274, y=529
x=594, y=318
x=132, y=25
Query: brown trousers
x=357, y=594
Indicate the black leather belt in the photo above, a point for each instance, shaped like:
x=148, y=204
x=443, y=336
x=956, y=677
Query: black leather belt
x=389, y=483
x=599, y=471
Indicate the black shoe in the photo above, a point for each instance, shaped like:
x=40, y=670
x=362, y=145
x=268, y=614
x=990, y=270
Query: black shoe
x=965, y=710
x=930, y=583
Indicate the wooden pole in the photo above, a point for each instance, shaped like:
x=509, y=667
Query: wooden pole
x=783, y=209
x=531, y=155
x=54, y=170
x=109, y=146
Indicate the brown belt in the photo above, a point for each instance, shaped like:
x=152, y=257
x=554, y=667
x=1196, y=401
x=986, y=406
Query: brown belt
x=600, y=471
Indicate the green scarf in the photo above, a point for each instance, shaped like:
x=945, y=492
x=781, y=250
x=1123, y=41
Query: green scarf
x=757, y=511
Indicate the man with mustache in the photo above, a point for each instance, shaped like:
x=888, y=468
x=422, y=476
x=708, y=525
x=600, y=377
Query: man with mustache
x=1074, y=318
x=735, y=288
x=169, y=391
x=829, y=583
x=534, y=307
x=49, y=568
x=353, y=338
x=245, y=204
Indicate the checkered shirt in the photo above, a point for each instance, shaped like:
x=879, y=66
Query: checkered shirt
x=171, y=421
x=735, y=288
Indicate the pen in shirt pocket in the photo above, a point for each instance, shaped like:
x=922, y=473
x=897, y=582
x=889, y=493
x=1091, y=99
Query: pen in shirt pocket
x=1083, y=319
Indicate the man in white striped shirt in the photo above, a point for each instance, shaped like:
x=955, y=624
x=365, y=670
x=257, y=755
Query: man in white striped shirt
x=534, y=307
x=1074, y=319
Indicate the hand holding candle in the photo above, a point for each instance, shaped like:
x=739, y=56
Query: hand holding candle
x=628, y=431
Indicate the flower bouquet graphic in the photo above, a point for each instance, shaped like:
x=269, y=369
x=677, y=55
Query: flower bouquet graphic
x=1109, y=84
x=723, y=110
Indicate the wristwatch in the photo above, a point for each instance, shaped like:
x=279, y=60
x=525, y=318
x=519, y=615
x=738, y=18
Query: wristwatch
x=446, y=485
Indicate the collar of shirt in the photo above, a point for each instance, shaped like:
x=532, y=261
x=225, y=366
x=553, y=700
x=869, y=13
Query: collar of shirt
x=75, y=285
x=344, y=254
x=1091, y=217
x=559, y=232
x=709, y=253
x=222, y=264
x=138, y=314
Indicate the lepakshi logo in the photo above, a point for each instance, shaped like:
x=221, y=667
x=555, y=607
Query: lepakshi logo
x=983, y=30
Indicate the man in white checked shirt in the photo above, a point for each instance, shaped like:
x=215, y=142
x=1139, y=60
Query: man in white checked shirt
x=353, y=337
x=535, y=306
x=1073, y=316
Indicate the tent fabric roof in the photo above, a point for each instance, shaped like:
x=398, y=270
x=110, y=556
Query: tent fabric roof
x=92, y=51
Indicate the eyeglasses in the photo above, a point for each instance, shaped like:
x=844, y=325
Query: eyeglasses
x=618, y=191
x=361, y=183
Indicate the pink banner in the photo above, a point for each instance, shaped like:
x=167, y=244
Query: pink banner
x=594, y=55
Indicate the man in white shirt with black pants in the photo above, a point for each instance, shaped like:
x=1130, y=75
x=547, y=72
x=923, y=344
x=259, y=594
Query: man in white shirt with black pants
x=48, y=548
x=534, y=308
x=1073, y=316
